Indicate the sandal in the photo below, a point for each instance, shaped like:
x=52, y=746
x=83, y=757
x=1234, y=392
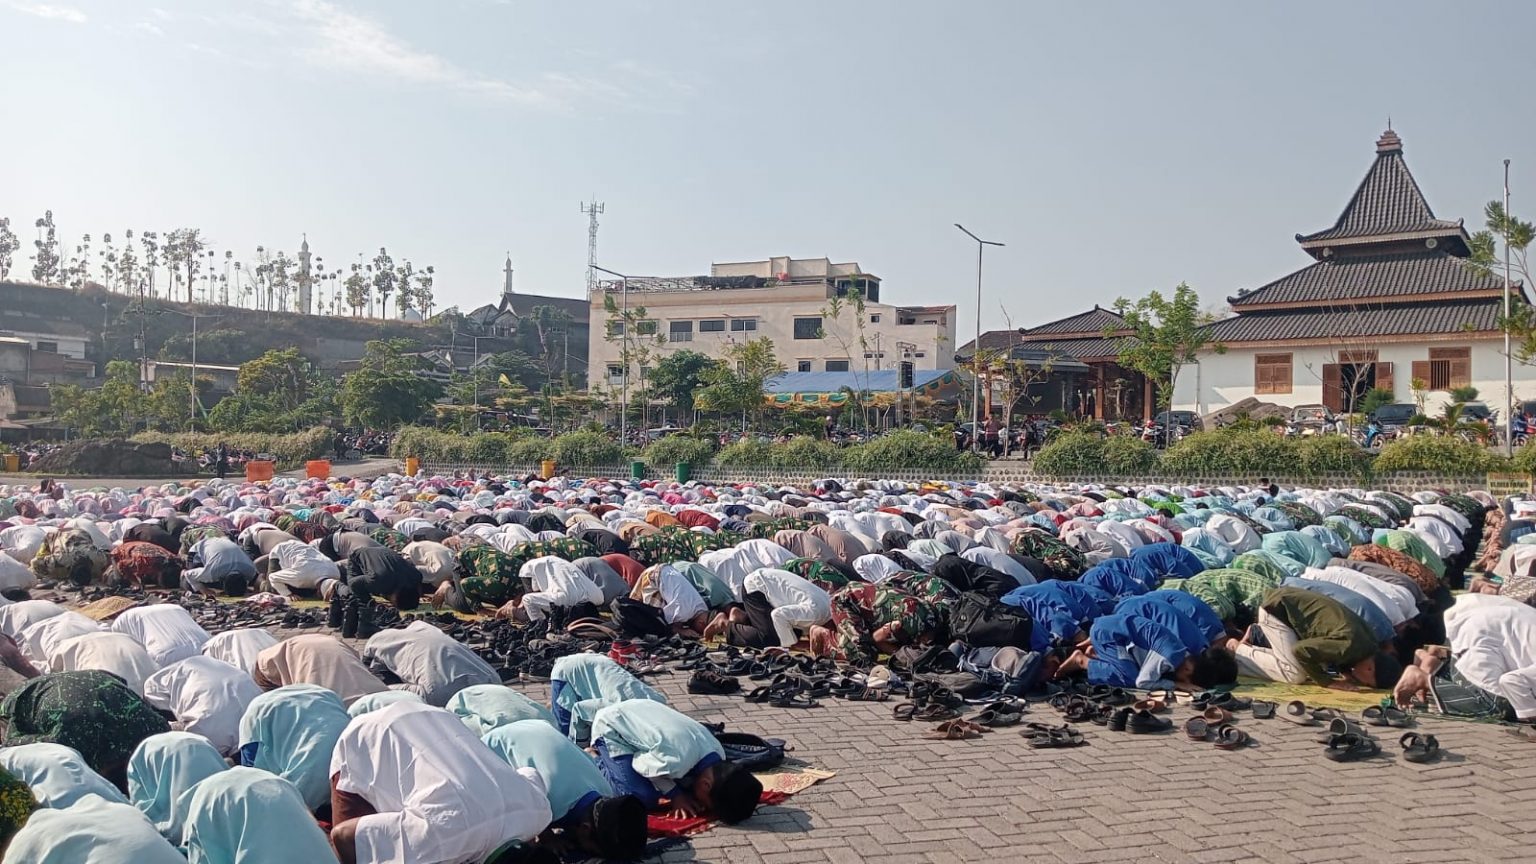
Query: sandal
x=954, y=730
x=904, y=710
x=1153, y=706
x=1263, y=710
x=934, y=712
x=1296, y=712
x=1376, y=715
x=995, y=717
x=1351, y=747
x=1066, y=736
x=1230, y=738
x=868, y=695
x=786, y=699
x=1217, y=716
x=1197, y=729
x=1038, y=730
x=1419, y=748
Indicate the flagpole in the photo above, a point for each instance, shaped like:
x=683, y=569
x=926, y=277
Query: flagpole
x=1509, y=381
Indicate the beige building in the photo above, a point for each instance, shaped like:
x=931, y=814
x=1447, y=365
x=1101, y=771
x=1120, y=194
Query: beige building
x=788, y=300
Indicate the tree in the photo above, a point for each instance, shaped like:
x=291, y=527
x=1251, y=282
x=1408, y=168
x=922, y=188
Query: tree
x=221, y=346
x=8, y=246
x=357, y=287
x=388, y=389
x=283, y=377
x=1516, y=235
x=45, y=264
x=384, y=279
x=636, y=336
x=150, y=240
x=859, y=346
x=404, y=275
x=423, y=290
x=127, y=263
x=678, y=375
x=1168, y=333
x=184, y=249
x=105, y=411
x=739, y=384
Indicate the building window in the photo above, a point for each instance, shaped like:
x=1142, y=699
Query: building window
x=1450, y=368
x=48, y=347
x=645, y=328
x=837, y=365
x=615, y=371
x=1272, y=373
x=803, y=366
x=615, y=328
x=680, y=331
x=875, y=318
x=712, y=325
x=808, y=328
x=743, y=325
x=921, y=354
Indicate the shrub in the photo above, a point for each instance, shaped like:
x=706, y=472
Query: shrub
x=1227, y=451
x=1375, y=398
x=1331, y=454
x=1071, y=454
x=805, y=452
x=1434, y=453
x=586, y=449
x=287, y=449
x=908, y=450
x=662, y=455
x=746, y=454
x=1125, y=456
x=529, y=450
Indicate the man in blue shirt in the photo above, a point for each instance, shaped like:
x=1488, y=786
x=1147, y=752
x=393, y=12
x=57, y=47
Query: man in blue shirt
x=1132, y=650
x=1187, y=615
x=587, y=816
x=648, y=750
x=1118, y=577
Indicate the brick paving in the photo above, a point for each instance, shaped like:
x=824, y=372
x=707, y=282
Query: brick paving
x=900, y=799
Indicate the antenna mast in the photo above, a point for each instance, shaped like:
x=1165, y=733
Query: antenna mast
x=592, y=211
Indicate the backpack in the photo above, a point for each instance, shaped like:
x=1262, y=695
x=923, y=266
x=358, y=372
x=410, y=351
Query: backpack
x=635, y=619
x=981, y=622
x=751, y=752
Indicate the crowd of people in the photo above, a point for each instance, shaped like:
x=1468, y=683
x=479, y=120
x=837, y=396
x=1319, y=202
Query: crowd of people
x=180, y=728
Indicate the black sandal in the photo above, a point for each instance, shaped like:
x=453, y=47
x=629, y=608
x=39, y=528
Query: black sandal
x=1351, y=747
x=1066, y=736
x=1419, y=748
x=793, y=700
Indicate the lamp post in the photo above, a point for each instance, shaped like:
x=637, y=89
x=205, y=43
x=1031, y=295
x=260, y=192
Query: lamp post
x=624, y=352
x=474, y=368
x=981, y=246
x=1509, y=382
x=194, y=316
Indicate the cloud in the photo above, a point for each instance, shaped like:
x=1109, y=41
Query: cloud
x=150, y=28
x=51, y=11
x=344, y=40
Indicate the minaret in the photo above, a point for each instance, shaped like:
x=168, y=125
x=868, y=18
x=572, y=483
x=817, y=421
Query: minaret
x=306, y=279
x=506, y=283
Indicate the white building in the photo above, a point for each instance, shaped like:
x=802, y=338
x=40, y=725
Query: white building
x=1389, y=299
x=789, y=300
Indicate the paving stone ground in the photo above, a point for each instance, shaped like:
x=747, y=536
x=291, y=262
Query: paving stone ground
x=899, y=799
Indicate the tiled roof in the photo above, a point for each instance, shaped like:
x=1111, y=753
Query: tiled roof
x=1387, y=202
x=992, y=340
x=1353, y=278
x=1095, y=320
x=1401, y=319
x=1088, y=348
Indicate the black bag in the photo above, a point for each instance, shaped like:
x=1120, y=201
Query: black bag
x=635, y=619
x=751, y=752
x=981, y=622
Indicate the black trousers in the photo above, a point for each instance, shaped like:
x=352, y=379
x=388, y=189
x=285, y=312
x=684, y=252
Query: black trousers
x=759, y=631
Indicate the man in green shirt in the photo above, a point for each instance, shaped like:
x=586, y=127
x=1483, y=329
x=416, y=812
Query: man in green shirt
x=1303, y=634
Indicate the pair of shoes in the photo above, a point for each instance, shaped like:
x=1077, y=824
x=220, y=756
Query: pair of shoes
x=1138, y=722
x=1042, y=736
x=1226, y=736
x=956, y=730
x=707, y=682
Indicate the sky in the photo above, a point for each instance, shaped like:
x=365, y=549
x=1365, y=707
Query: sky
x=1115, y=147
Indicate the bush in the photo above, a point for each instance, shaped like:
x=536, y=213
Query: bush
x=429, y=445
x=1437, y=454
x=1071, y=454
x=908, y=450
x=1375, y=398
x=805, y=452
x=1332, y=454
x=662, y=455
x=287, y=449
x=586, y=449
x=1227, y=451
x=746, y=454
x=527, y=451
x=1125, y=456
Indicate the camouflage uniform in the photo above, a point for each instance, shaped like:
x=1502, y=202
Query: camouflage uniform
x=859, y=610
x=1061, y=560
x=818, y=574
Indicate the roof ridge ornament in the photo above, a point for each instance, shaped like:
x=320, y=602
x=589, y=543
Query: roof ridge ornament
x=1389, y=142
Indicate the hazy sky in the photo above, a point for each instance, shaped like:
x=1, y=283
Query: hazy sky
x=1115, y=147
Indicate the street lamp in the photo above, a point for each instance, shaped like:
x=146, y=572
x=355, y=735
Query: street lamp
x=194, y=316
x=474, y=370
x=981, y=245
x=624, y=387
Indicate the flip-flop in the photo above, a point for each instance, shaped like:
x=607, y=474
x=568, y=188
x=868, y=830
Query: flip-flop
x=1216, y=716
x=1038, y=730
x=994, y=717
x=1230, y=738
x=904, y=710
x=933, y=713
x=869, y=694
x=1296, y=712
x=1263, y=710
x=1152, y=705
x=1197, y=729
x=758, y=694
x=1377, y=715
x=1351, y=747
x=793, y=700
x=1419, y=748
x=954, y=730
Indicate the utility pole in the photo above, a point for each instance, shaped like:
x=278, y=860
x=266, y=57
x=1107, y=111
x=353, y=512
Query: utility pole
x=592, y=210
x=1509, y=381
x=981, y=246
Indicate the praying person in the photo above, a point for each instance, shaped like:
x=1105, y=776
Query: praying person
x=369, y=572
x=221, y=566
x=162, y=768
x=315, y=658
x=671, y=763
x=582, y=684
x=93, y=712
x=428, y=662
x=1303, y=633
x=245, y=815
x=410, y=784
x=291, y=732
x=553, y=582
x=776, y=608
x=166, y=631
x=207, y=697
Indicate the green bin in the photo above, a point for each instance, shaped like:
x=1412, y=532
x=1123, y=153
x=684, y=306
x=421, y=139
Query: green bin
x=684, y=470
x=637, y=469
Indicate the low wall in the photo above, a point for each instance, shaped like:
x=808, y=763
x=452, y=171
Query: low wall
x=1005, y=472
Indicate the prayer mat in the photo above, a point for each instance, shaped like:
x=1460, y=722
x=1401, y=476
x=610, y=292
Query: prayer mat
x=106, y=607
x=777, y=786
x=1314, y=696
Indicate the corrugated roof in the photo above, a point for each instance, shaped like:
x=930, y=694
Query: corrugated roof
x=1400, y=319
x=1347, y=278
x=875, y=380
x=1387, y=202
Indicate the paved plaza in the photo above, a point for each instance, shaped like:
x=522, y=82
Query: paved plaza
x=899, y=799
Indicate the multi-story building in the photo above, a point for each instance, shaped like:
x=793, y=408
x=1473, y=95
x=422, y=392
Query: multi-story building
x=803, y=304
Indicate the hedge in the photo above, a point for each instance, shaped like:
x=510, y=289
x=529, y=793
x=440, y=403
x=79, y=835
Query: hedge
x=1438, y=454
x=669, y=451
x=287, y=449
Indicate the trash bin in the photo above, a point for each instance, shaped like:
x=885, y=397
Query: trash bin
x=412, y=466
x=317, y=469
x=13, y=462
x=683, y=472
x=547, y=468
x=637, y=470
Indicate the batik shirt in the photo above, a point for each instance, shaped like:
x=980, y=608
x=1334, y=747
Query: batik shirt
x=859, y=610
x=70, y=555
x=1402, y=562
x=388, y=537
x=1301, y=515
x=766, y=530
x=147, y=564
x=817, y=573
x=92, y=711
x=1061, y=560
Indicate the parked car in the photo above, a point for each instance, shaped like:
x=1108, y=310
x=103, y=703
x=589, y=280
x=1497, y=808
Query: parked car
x=1395, y=415
x=1188, y=419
